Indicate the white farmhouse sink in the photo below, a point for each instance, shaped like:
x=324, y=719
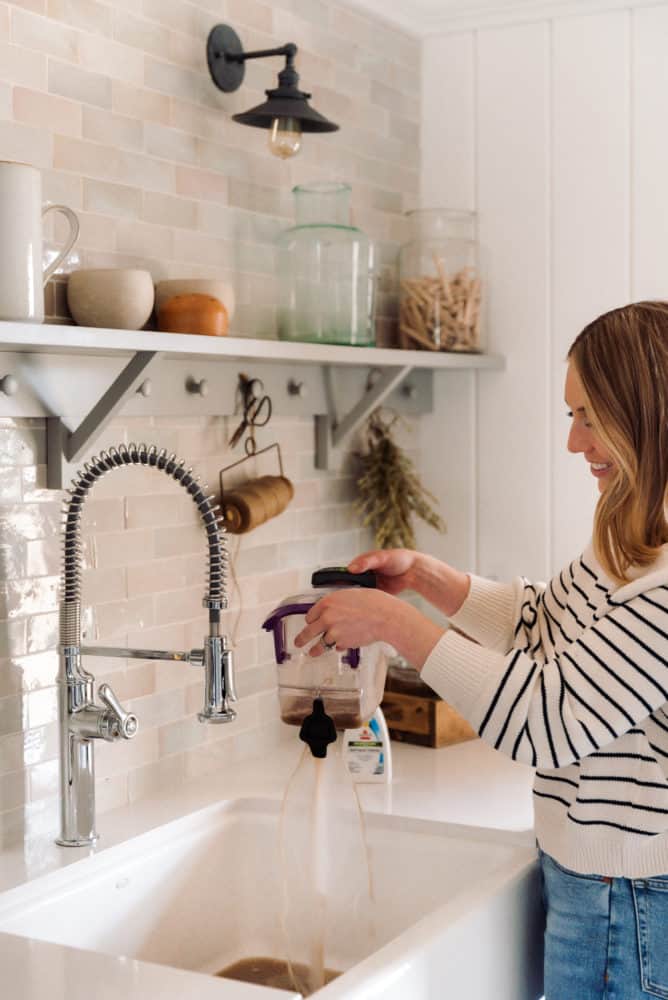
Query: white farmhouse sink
x=456, y=911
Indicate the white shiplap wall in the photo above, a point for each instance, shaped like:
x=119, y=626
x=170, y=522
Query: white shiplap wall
x=553, y=131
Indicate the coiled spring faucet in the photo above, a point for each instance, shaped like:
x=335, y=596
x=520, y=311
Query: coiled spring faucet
x=81, y=720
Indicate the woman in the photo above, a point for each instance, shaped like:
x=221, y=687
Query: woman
x=570, y=677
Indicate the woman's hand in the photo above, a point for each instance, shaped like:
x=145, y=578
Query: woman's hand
x=393, y=568
x=348, y=619
x=356, y=617
x=403, y=569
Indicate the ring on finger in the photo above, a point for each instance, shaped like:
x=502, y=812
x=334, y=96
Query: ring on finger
x=328, y=645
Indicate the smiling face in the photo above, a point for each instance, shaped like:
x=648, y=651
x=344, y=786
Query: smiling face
x=581, y=437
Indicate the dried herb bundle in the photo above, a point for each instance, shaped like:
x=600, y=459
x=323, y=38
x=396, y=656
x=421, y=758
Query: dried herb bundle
x=390, y=491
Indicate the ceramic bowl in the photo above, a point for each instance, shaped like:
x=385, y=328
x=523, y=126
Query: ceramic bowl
x=220, y=290
x=193, y=314
x=118, y=298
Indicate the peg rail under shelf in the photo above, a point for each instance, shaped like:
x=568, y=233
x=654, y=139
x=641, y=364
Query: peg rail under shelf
x=80, y=378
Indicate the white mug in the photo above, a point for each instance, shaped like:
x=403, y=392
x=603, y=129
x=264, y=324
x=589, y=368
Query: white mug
x=22, y=279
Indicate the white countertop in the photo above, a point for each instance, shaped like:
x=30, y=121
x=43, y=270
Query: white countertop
x=466, y=784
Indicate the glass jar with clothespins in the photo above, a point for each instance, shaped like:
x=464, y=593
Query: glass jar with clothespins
x=440, y=288
x=253, y=500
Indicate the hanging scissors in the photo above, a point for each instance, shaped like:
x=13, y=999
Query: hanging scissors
x=257, y=412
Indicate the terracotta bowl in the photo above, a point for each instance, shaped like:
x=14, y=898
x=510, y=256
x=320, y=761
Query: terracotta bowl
x=119, y=298
x=193, y=314
x=220, y=290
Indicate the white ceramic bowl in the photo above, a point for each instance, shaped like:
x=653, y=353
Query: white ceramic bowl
x=119, y=298
x=220, y=290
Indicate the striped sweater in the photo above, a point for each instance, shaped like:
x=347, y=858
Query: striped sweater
x=572, y=678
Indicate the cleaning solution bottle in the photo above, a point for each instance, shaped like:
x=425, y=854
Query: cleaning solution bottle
x=367, y=750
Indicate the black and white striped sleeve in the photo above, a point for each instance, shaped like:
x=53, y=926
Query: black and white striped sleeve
x=552, y=712
x=496, y=614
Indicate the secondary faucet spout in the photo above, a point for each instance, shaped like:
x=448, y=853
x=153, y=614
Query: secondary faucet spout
x=81, y=720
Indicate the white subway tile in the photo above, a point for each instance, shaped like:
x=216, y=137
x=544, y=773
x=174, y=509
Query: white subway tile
x=33, y=746
x=28, y=597
x=36, y=6
x=25, y=143
x=115, y=61
x=151, y=779
x=111, y=792
x=42, y=707
x=119, y=549
x=86, y=14
x=140, y=33
x=154, y=710
x=205, y=184
x=135, y=102
x=13, y=714
x=57, y=114
x=112, y=129
x=191, y=246
x=108, y=163
x=33, y=32
x=168, y=210
x=177, y=737
x=79, y=84
x=44, y=779
x=176, y=81
x=171, y=143
x=42, y=635
x=143, y=239
x=119, y=758
x=181, y=17
x=118, y=200
x=100, y=586
x=14, y=790
x=119, y=617
x=132, y=682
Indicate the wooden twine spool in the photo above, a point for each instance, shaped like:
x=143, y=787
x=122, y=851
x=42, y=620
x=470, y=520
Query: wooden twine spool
x=255, y=502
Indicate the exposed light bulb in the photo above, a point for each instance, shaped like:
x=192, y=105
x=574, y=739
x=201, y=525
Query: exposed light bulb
x=285, y=137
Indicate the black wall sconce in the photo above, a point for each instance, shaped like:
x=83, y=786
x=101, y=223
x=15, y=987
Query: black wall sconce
x=286, y=112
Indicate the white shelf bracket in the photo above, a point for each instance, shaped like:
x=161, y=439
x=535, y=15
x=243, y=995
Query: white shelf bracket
x=64, y=446
x=330, y=432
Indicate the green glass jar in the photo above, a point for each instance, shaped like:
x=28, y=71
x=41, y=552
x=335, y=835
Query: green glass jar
x=326, y=272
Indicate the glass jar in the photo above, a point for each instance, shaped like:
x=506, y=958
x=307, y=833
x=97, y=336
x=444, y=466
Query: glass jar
x=325, y=268
x=440, y=290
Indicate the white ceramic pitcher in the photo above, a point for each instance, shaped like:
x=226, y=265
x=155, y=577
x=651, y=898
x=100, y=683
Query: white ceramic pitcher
x=22, y=279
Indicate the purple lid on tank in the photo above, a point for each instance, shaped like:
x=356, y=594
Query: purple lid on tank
x=274, y=624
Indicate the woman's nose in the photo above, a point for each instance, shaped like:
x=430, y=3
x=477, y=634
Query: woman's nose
x=576, y=440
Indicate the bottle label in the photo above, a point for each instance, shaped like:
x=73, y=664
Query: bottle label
x=364, y=751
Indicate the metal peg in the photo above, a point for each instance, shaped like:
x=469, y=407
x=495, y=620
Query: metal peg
x=198, y=387
x=9, y=385
x=296, y=388
x=146, y=388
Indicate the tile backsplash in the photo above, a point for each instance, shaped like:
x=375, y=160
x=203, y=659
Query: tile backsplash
x=145, y=569
x=113, y=102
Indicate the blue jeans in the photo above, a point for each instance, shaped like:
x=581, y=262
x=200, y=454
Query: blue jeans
x=605, y=938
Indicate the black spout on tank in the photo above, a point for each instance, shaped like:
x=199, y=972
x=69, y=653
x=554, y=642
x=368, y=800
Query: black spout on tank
x=318, y=729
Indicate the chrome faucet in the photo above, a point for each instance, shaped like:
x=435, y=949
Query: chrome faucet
x=81, y=720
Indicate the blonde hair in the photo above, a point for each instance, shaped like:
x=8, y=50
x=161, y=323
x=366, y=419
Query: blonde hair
x=622, y=361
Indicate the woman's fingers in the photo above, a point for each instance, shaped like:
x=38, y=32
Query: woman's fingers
x=367, y=560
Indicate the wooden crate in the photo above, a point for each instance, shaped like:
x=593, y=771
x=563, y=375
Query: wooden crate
x=425, y=720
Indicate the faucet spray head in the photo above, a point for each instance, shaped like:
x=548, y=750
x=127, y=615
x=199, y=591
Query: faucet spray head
x=318, y=729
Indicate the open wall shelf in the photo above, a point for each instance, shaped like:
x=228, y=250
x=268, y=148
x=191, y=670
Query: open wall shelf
x=80, y=378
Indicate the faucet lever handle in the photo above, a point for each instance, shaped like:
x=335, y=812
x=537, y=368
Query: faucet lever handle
x=121, y=723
